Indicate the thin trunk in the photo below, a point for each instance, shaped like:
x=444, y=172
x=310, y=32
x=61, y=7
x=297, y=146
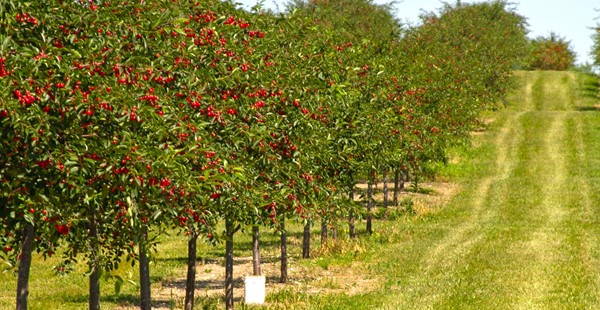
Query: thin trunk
x=190, y=282
x=385, y=190
x=403, y=181
x=351, y=226
x=369, y=206
x=94, y=299
x=413, y=179
x=396, y=186
x=284, y=259
x=256, y=251
x=146, y=301
x=306, y=241
x=334, y=233
x=24, y=267
x=385, y=193
x=229, y=231
x=323, y=232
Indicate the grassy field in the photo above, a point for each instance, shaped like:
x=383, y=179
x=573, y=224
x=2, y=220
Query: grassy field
x=521, y=230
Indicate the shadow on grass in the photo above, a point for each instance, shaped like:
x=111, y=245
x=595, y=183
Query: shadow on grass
x=590, y=90
x=595, y=108
x=217, y=261
x=121, y=299
x=219, y=284
x=183, y=260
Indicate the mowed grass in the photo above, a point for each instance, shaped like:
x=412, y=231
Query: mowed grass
x=522, y=232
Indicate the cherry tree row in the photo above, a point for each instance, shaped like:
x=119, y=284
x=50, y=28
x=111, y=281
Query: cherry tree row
x=124, y=119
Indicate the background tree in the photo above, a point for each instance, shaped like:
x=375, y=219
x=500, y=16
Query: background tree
x=596, y=48
x=551, y=53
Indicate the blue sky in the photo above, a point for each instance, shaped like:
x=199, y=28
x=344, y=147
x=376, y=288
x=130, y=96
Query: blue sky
x=569, y=19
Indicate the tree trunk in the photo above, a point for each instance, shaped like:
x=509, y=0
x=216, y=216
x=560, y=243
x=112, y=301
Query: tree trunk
x=284, y=259
x=385, y=189
x=369, y=206
x=415, y=181
x=323, y=232
x=306, y=241
x=351, y=226
x=94, y=299
x=146, y=301
x=255, y=251
x=396, y=186
x=385, y=192
x=334, y=233
x=190, y=282
x=24, y=267
x=229, y=231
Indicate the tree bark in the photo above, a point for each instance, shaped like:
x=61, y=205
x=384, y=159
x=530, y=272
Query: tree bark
x=306, y=241
x=94, y=299
x=146, y=301
x=24, y=267
x=396, y=186
x=351, y=226
x=256, y=251
x=190, y=282
x=229, y=231
x=385, y=189
x=323, y=232
x=334, y=233
x=284, y=258
x=369, y=206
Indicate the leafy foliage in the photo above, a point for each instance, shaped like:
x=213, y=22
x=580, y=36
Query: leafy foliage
x=551, y=53
x=118, y=118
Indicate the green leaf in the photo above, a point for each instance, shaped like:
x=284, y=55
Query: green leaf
x=180, y=21
x=29, y=218
x=179, y=30
x=118, y=284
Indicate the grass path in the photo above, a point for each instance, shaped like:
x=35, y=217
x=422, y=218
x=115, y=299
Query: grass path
x=524, y=233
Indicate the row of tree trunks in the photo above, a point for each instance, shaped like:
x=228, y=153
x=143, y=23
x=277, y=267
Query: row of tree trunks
x=399, y=180
x=256, y=260
x=94, y=279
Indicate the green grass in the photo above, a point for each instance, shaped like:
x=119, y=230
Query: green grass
x=523, y=231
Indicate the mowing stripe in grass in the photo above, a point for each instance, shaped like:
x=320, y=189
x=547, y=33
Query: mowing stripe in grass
x=447, y=258
x=520, y=236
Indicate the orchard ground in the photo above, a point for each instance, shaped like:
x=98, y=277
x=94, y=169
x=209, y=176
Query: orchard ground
x=336, y=269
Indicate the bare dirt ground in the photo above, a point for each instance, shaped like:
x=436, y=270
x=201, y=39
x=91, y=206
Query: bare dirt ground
x=428, y=196
x=309, y=280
